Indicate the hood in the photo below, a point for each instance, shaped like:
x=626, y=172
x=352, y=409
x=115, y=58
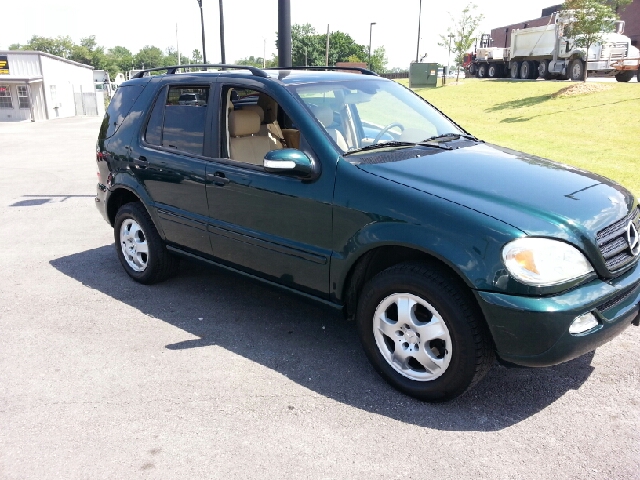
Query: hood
x=537, y=196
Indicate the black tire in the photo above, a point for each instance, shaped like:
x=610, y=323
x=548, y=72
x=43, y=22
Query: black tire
x=472, y=69
x=157, y=264
x=482, y=71
x=467, y=349
x=543, y=70
x=534, y=70
x=577, y=70
x=526, y=70
x=638, y=73
x=625, y=76
x=492, y=72
x=514, y=70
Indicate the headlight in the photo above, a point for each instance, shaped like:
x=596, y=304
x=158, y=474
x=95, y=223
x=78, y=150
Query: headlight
x=544, y=262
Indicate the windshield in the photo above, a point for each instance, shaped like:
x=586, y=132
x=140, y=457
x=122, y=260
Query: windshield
x=361, y=112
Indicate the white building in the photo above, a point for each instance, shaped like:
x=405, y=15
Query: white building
x=38, y=86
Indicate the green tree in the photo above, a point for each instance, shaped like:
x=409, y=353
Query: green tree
x=196, y=56
x=379, y=60
x=618, y=5
x=591, y=20
x=59, y=46
x=461, y=34
x=149, y=57
x=120, y=59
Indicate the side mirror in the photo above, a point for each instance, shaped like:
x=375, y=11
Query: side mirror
x=291, y=162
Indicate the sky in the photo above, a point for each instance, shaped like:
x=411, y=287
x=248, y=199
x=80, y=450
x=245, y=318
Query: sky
x=250, y=25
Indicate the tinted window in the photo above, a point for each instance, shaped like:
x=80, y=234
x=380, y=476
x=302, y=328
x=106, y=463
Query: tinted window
x=153, y=134
x=179, y=122
x=119, y=108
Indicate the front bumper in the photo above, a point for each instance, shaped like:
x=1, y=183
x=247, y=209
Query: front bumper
x=534, y=331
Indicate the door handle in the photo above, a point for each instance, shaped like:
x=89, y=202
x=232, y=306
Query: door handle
x=141, y=162
x=219, y=179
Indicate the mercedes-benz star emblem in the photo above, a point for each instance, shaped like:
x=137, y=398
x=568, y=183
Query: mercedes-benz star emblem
x=633, y=239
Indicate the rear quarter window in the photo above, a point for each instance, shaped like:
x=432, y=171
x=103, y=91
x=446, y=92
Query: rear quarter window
x=119, y=108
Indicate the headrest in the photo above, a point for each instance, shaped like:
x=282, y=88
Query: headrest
x=255, y=108
x=323, y=113
x=270, y=108
x=243, y=122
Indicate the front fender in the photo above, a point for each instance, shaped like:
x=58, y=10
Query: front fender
x=372, y=212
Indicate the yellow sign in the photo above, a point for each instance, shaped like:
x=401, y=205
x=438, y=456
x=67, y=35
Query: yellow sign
x=4, y=65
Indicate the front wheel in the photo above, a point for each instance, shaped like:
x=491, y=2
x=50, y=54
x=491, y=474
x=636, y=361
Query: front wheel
x=140, y=249
x=422, y=332
x=625, y=76
x=577, y=70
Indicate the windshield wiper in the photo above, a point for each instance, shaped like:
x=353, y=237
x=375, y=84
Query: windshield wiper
x=449, y=136
x=376, y=146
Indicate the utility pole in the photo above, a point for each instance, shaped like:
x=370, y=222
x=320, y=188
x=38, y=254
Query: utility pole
x=177, y=44
x=204, y=49
x=444, y=77
x=326, y=52
x=370, y=28
x=284, y=33
x=222, y=56
x=418, y=46
x=264, y=52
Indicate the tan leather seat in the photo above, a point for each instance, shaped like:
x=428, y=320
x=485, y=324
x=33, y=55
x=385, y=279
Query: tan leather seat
x=324, y=114
x=245, y=145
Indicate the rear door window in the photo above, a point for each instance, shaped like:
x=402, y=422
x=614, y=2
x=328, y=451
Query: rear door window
x=178, y=119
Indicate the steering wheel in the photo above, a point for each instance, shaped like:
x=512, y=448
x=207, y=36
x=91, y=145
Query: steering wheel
x=386, y=129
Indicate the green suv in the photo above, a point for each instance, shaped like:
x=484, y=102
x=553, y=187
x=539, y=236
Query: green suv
x=350, y=189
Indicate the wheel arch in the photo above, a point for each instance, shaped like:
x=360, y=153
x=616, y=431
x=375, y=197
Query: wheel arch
x=380, y=257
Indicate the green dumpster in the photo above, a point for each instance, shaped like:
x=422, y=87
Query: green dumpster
x=423, y=75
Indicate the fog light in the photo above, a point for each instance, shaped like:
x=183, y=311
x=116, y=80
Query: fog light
x=583, y=323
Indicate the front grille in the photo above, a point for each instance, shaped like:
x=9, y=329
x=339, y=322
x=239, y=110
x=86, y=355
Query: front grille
x=618, y=299
x=612, y=242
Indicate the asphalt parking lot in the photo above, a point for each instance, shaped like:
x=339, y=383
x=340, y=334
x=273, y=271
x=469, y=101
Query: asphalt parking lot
x=210, y=375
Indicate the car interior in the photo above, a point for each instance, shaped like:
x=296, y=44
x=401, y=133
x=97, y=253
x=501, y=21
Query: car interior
x=254, y=127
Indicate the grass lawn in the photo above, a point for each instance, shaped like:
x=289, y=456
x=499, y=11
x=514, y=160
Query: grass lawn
x=596, y=131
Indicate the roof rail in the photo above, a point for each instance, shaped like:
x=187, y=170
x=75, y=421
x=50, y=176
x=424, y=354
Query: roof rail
x=363, y=71
x=172, y=70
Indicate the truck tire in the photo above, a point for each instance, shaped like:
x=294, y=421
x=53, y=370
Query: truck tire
x=543, y=70
x=577, y=70
x=626, y=75
x=493, y=71
x=514, y=70
x=639, y=75
x=482, y=71
x=526, y=70
x=473, y=69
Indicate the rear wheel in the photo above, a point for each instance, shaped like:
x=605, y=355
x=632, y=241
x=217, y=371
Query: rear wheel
x=140, y=249
x=493, y=71
x=482, y=71
x=472, y=69
x=514, y=70
x=626, y=75
x=526, y=70
x=422, y=332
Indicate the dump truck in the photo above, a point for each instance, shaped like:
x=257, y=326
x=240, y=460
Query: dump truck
x=550, y=52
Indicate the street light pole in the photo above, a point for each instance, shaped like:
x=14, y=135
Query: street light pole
x=419, y=17
x=444, y=78
x=204, y=49
x=222, y=55
x=370, y=28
